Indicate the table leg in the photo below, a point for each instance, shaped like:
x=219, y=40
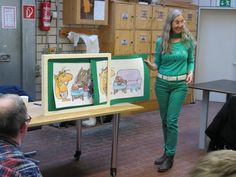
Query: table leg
x=78, y=139
x=204, y=120
x=115, y=132
x=228, y=95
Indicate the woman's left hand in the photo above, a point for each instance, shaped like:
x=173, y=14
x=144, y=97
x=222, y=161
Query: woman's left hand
x=189, y=78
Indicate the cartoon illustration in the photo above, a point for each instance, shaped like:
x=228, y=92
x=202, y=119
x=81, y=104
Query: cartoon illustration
x=61, y=82
x=87, y=8
x=82, y=86
x=103, y=80
x=127, y=79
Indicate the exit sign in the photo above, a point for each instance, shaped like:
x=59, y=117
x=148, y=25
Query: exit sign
x=224, y=3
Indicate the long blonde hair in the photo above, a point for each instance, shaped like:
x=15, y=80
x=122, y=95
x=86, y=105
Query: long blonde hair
x=220, y=163
x=187, y=38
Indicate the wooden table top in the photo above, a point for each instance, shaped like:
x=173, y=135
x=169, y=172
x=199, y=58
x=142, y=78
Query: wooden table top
x=38, y=118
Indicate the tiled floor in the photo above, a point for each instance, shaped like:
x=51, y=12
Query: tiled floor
x=140, y=142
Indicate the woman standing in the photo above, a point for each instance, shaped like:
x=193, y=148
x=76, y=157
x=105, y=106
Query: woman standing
x=174, y=61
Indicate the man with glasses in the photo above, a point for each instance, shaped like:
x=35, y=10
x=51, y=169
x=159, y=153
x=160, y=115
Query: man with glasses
x=14, y=121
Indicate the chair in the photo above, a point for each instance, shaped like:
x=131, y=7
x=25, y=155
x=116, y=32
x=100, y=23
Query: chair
x=11, y=89
x=222, y=130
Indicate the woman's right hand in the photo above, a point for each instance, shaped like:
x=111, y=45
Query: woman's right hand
x=151, y=66
x=148, y=62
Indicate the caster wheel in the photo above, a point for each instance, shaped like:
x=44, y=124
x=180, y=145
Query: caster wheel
x=77, y=155
x=113, y=172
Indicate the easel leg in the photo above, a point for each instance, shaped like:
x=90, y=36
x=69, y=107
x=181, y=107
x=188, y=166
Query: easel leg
x=115, y=132
x=78, y=140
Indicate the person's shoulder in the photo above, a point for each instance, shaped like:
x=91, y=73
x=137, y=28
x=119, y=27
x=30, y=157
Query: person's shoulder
x=5, y=171
x=28, y=168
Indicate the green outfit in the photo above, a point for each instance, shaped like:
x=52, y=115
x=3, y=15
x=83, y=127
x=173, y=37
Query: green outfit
x=171, y=94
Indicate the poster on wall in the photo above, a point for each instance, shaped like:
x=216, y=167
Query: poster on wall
x=129, y=79
x=8, y=17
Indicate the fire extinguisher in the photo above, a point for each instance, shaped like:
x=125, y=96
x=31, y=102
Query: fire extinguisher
x=45, y=15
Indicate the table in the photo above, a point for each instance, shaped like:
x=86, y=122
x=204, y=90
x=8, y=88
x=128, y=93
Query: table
x=227, y=87
x=38, y=119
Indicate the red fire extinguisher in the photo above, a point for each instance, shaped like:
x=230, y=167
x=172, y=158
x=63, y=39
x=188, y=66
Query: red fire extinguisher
x=45, y=15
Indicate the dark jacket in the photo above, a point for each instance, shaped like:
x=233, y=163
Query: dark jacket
x=222, y=130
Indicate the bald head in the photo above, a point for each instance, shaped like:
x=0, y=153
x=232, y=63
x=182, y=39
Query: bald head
x=13, y=114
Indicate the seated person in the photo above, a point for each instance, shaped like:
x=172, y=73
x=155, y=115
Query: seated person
x=14, y=121
x=220, y=163
x=222, y=130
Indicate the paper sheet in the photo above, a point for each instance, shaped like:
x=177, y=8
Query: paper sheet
x=99, y=10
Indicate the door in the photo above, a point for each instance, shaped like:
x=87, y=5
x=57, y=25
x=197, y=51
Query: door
x=216, y=52
x=143, y=17
x=10, y=43
x=159, y=14
x=124, y=42
x=142, y=42
x=124, y=18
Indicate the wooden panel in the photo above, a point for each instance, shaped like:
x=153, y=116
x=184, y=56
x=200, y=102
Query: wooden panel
x=153, y=73
x=190, y=18
x=124, y=42
x=106, y=40
x=89, y=31
x=123, y=15
x=143, y=17
x=178, y=4
x=155, y=35
x=142, y=41
x=159, y=14
x=75, y=13
x=70, y=6
x=152, y=88
x=151, y=105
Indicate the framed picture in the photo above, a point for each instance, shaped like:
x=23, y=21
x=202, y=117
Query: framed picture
x=67, y=82
x=129, y=79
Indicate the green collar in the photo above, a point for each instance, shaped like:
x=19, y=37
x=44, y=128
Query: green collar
x=175, y=35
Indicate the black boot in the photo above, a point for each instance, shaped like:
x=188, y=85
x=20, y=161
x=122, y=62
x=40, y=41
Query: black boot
x=167, y=164
x=160, y=160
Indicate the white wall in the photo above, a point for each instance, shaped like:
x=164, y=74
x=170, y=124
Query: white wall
x=216, y=47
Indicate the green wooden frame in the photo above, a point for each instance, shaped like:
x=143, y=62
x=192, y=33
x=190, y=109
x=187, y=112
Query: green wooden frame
x=47, y=80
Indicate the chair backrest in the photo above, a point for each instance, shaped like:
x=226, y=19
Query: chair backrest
x=12, y=89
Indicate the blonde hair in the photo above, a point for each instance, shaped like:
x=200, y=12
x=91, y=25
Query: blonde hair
x=216, y=164
x=187, y=38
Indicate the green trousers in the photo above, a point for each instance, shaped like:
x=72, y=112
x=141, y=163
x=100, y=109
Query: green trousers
x=170, y=96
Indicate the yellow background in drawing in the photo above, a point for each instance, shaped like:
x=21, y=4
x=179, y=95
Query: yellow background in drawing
x=61, y=84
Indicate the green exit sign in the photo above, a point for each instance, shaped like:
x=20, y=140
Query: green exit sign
x=225, y=3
